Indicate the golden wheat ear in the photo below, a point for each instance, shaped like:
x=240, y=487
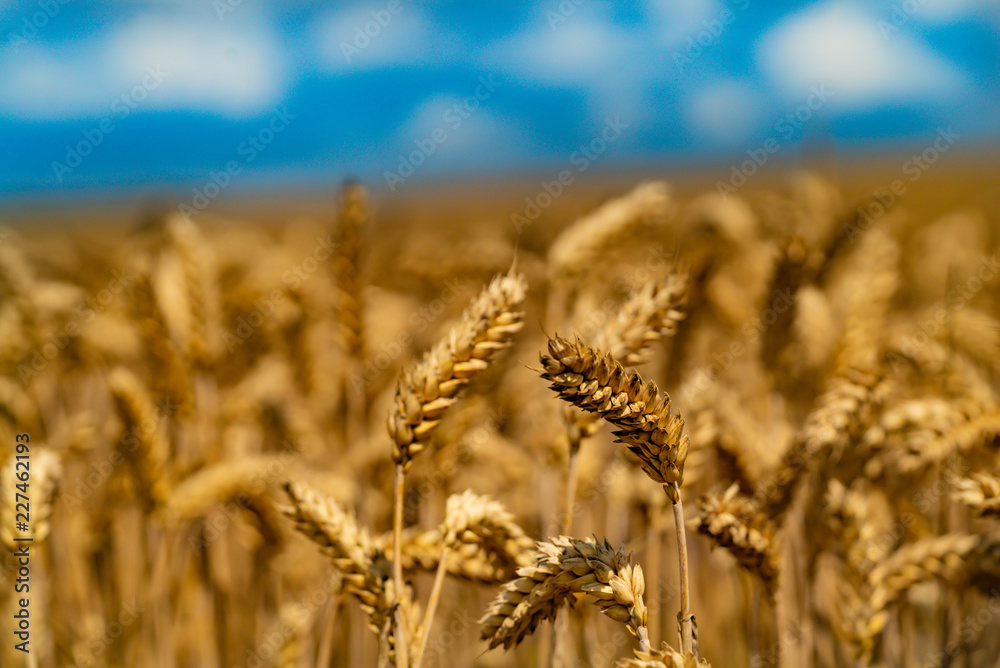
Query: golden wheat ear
x=142, y=426
x=733, y=522
x=428, y=389
x=564, y=567
x=598, y=383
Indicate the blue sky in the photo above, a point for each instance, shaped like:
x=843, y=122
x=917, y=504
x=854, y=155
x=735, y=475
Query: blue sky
x=163, y=95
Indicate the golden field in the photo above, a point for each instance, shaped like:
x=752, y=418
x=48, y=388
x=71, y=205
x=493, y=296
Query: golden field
x=280, y=433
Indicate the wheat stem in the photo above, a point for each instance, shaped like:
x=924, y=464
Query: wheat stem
x=684, y=618
x=643, y=639
x=574, y=464
x=432, y=604
x=402, y=660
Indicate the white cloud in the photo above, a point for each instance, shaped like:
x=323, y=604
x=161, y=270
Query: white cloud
x=946, y=11
x=469, y=130
x=726, y=111
x=208, y=66
x=610, y=65
x=369, y=36
x=676, y=20
x=839, y=45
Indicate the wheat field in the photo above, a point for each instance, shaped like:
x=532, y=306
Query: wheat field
x=653, y=426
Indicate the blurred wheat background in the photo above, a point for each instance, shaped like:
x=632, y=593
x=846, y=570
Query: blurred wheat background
x=656, y=336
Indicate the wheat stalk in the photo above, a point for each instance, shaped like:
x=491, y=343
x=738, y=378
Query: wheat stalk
x=563, y=567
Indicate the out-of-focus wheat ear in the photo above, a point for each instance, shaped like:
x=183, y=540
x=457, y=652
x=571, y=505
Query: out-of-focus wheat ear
x=193, y=254
x=428, y=388
x=563, y=567
x=422, y=551
x=868, y=287
x=783, y=290
x=731, y=521
x=293, y=620
x=476, y=519
x=353, y=218
x=142, y=442
x=664, y=657
x=245, y=482
x=470, y=518
x=17, y=282
x=597, y=383
x=954, y=558
x=981, y=493
x=169, y=375
x=840, y=417
x=38, y=477
x=585, y=242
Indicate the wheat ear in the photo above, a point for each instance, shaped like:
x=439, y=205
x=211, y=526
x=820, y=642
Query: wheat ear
x=428, y=389
x=732, y=521
x=981, y=492
x=141, y=423
x=364, y=568
x=563, y=567
x=599, y=384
